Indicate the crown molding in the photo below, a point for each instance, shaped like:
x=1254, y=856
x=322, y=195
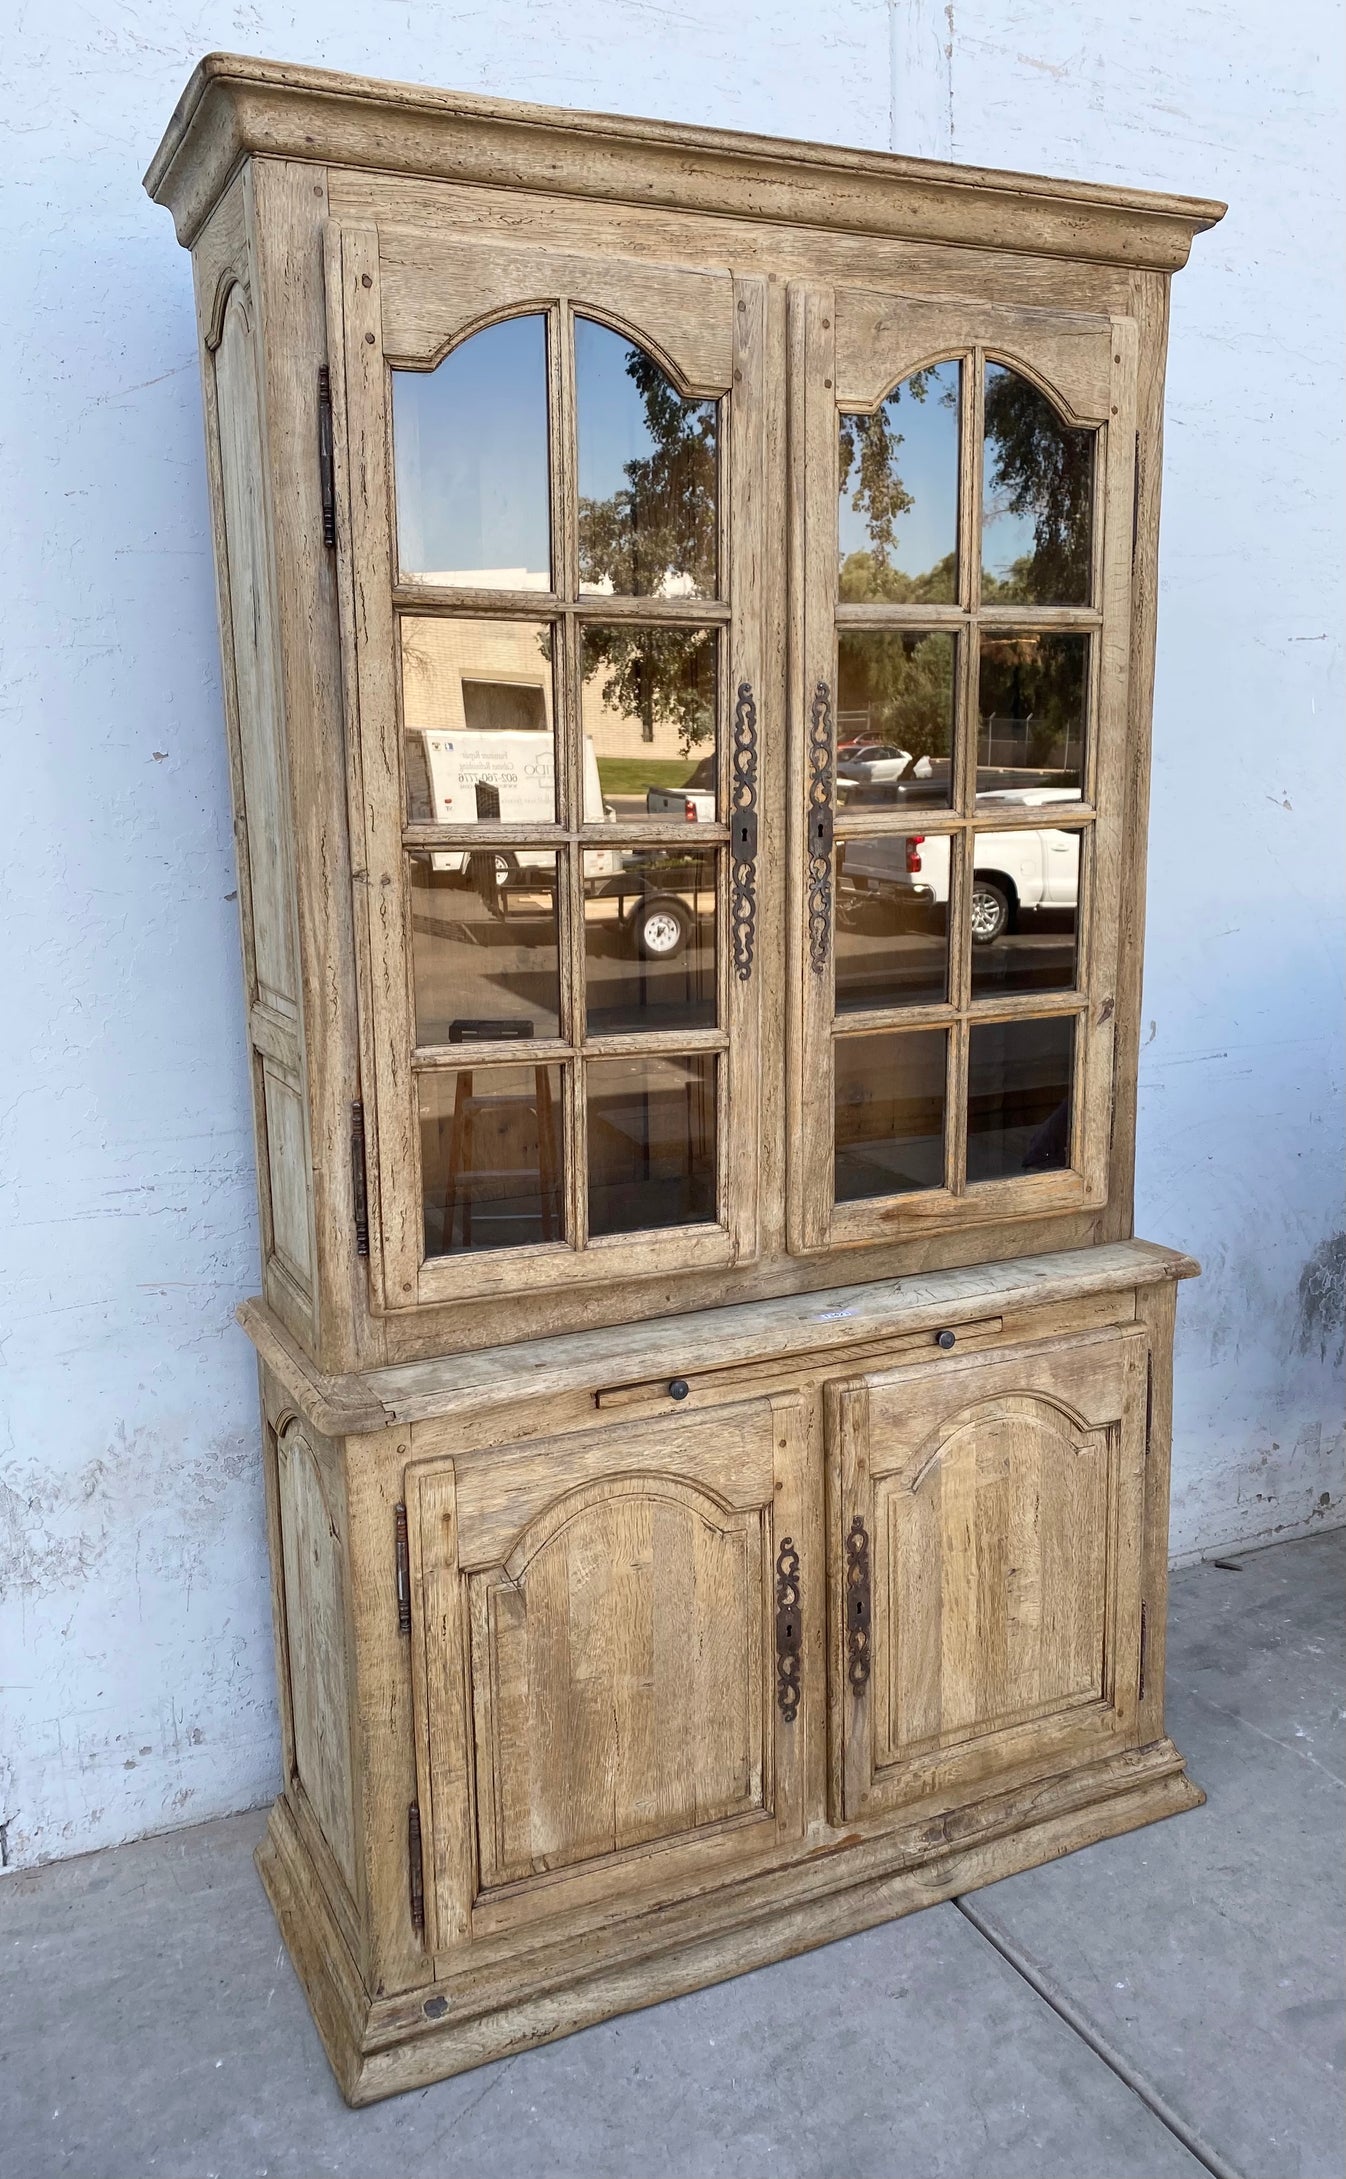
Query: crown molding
x=235, y=107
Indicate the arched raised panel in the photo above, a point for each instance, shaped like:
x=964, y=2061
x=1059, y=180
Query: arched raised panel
x=881, y=339
x=992, y=1570
x=998, y=1503
x=434, y=289
x=616, y=1665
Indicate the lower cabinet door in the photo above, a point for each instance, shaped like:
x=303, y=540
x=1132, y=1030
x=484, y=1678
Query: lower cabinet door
x=606, y=1639
x=986, y=1521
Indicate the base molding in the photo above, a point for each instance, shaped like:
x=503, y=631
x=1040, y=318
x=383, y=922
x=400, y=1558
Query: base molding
x=378, y=2048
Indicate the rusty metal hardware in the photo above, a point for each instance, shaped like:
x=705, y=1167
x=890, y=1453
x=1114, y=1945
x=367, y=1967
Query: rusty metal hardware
x=789, y=1630
x=858, y=1600
x=820, y=827
x=946, y=1340
x=326, y=456
x=402, y=1557
x=678, y=1388
x=359, y=1186
x=743, y=832
x=415, y=1869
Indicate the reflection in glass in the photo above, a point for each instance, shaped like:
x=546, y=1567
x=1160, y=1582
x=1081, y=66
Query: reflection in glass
x=1037, y=498
x=477, y=721
x=491, y=1157
x=894, y=717
x=648, y=514
x=891, y=946
x=651, y=1143
x=897, y=516
x=470, y=459
x=649, y=939
x=1025, y=902
x=1018, y=1098
x=648, y=701
x=483, y=945
x=1032, y=693
x=890, y=1092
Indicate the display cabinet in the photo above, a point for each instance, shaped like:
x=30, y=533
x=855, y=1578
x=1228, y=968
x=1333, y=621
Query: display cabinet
x=687, y=608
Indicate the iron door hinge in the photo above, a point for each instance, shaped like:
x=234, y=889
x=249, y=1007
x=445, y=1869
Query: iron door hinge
x=1135, y=505
x=857, y=1607
x=789, y=1630
x=359, y=1189
x=403, y=1562
x=415, y=1871
x=326, y=456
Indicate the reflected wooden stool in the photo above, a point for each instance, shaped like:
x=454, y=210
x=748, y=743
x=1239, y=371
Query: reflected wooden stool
x=467, y=1181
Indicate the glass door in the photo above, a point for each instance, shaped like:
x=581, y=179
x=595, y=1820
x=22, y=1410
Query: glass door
x=551, y=477
x=962, y=543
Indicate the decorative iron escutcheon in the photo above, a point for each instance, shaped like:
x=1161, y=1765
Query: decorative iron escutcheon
x=820, y=827
x=857, y=1606
x=789, y=1630
x=743, y=832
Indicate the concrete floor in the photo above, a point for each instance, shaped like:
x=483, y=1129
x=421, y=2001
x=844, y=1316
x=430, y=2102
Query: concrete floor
x=1165, y=2003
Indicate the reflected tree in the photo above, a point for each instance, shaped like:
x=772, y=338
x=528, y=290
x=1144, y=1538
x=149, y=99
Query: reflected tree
x=657, y=536
x=871, y=474
x=1039, y=470
x=904, y=683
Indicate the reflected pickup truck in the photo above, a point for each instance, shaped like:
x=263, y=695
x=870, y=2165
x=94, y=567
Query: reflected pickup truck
x=1034, y=868
x=690, y=805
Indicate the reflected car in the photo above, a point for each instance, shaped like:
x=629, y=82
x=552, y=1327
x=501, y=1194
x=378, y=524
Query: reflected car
x=1012, y=870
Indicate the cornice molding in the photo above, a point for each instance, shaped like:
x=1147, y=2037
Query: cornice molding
x=235, y=106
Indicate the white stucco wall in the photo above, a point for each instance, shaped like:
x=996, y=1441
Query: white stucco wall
x=135, y=1645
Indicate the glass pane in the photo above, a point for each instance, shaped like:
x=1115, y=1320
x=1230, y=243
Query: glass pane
x=491, y=1157
x=1025, y=898
x=649, y=939
x=1018, y=1098
x=1032, y=696
x=484, y=951
x=651, y=1143
x=470, y=459
x=648, y=517
x=897, y=519
x=1037, y=498
x=649, y=707
x=478, y=722
x=889, y=1113
x=892, y=919
x=894, y=718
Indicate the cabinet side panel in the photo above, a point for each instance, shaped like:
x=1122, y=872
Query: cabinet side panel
x=287, y=212
x=315, y=1613
x=251, y=634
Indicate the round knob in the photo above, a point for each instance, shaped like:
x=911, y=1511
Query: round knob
x=679, y=1389
x=946, y=1340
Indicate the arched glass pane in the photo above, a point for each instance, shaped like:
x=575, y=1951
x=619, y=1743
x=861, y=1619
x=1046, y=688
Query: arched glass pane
x=648, y=475
x=897, y=516
x=1037, y=498
x=470, y=457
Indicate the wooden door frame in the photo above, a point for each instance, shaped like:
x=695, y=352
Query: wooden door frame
x=730, y=363
x=1087, y=363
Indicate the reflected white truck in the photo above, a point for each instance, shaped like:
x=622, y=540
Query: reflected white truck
x=1011, y=870
x=472, y=776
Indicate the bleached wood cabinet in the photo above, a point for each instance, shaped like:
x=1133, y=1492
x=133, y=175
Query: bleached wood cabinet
x=687, y=607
